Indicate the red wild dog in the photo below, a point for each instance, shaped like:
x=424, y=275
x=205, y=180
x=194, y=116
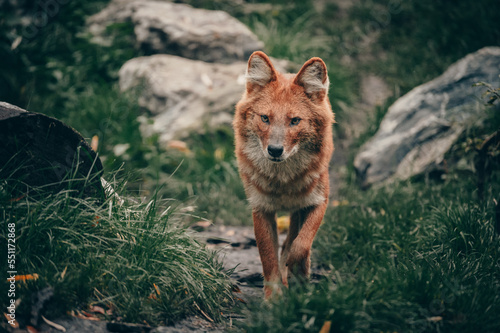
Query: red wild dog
x=283, y=138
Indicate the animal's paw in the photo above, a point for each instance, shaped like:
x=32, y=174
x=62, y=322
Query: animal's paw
x=272, y=290
x=298, y=260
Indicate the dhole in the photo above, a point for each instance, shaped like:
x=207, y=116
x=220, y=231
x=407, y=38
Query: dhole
x=283, y=137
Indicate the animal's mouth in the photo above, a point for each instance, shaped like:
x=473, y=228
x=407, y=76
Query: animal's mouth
x=276, y=159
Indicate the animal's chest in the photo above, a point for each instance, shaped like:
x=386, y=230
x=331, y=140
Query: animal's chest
x=281, y=192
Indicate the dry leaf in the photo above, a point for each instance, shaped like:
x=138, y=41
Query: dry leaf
x=337, y=203
x=95, y=221
x=207, y=273
x=326, y=327
x=219, y=154
x=97, y=309
x=179, y=145
x=201, y=225
x=94, y=143
x=56, y=326
x=63, y=274
x=83, y=315
x=17, y=199
x=90, y=316
x=10, y=320
x=283, y=223
x=157, y=289
x=206, y=316
x=16, y=43
x=26, y=277
x=31, y=329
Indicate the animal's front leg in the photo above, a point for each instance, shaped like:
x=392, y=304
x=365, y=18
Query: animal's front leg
x=267, y=242
x=299, y=257
x=293, y=231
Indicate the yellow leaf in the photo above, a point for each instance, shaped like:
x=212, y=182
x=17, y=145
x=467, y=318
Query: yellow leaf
x=338, y=203
x=219, y=154
x=63, y=274
x=26, y=277
x=397, y=247
x=180, y=146
x=12, y=321
x=97, y=309
x=326, y=327
x=283, y=223
x=31, y=329
x=94, y=143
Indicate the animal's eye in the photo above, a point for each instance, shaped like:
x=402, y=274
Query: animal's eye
x=295, y=121
x=265, y=118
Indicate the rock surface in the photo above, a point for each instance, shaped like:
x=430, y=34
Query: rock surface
x=421, y=126
x=179, y=29
x=184, y=95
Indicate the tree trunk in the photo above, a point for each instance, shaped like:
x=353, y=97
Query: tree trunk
x=39, y=153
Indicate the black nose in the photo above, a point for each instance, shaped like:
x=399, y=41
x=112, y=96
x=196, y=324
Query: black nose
x=275, y=151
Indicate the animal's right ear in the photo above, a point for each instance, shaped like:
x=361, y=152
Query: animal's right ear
x=260, y=71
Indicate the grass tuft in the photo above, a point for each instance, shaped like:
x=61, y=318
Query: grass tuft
x=135, y=259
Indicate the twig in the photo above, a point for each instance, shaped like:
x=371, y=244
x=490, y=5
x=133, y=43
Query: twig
x=204, y=314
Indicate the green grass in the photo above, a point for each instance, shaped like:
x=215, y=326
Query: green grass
x=211, y=174
x=205, y=177
x=403, y=258
x=113, y=256
x=464, y=26
x=409, y=43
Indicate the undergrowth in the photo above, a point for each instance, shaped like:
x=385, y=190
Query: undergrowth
x=134, y=259
x=410, y=257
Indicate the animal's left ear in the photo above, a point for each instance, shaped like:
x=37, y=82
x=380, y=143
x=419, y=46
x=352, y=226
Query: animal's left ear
x=314, y=78
x=260, y=71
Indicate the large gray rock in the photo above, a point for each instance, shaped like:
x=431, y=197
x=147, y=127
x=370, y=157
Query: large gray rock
x=179, y=29
x=181, y=94
x=420, y=127
x=184, y=95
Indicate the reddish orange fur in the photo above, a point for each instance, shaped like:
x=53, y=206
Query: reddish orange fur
x=299, y=182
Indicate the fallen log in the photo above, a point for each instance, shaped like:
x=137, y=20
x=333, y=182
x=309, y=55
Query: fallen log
x=40, y=153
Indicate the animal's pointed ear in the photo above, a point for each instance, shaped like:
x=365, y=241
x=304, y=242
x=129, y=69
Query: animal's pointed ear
x=314, y=78
x=260, y=71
